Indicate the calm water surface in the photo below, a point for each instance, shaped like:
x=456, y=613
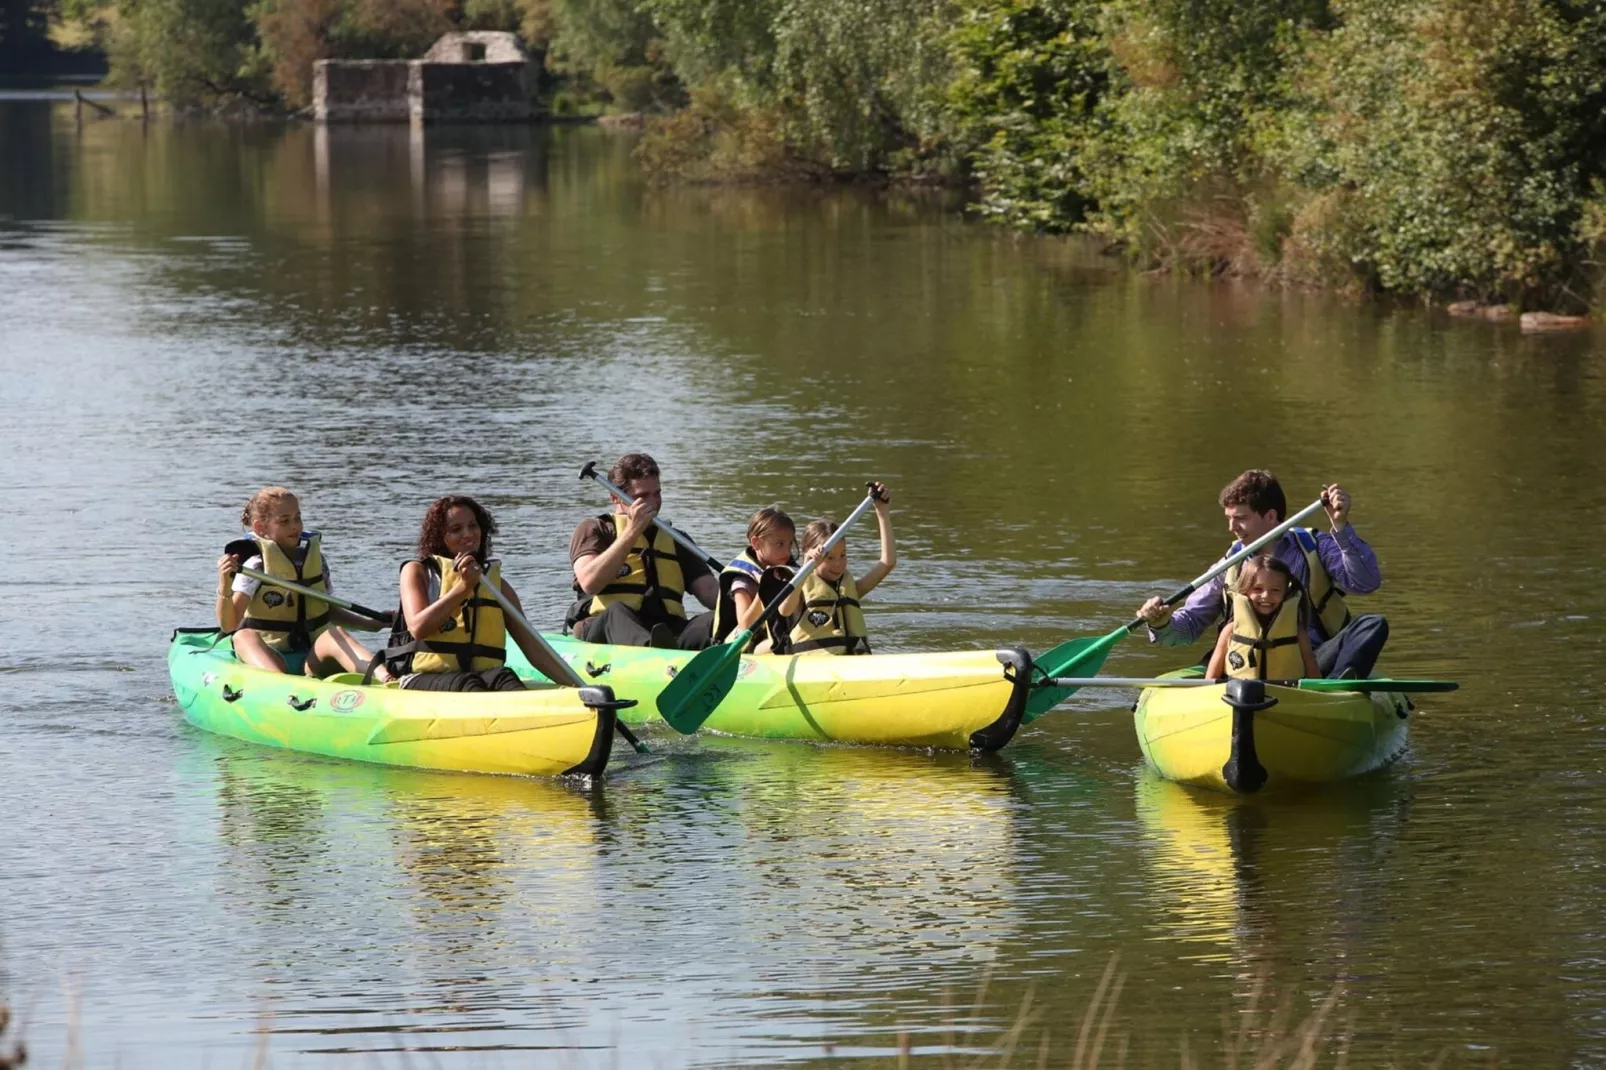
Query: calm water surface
x=374, y=318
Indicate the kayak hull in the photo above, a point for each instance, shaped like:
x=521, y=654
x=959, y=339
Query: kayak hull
x=1190, y=735
x=963, y=700
x=547, y=732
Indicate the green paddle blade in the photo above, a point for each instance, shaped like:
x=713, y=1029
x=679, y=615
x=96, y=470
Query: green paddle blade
x=1076, y=657
x=1401, y=686
x=701, y=684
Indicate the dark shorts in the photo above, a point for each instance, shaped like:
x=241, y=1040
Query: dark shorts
x=502, y=679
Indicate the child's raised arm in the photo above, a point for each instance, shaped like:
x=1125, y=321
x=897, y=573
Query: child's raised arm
x=889, y=552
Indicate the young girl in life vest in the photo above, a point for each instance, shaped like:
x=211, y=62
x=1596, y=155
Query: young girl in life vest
x=453, y=635
x=758, y=573
x=823, y=614
x=1267, y=633
x=276, y=629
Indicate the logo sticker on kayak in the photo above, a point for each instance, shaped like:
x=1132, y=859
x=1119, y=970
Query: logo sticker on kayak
x=345, y=701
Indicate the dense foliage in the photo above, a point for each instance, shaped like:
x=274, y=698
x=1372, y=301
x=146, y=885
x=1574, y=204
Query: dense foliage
x=1414, y=146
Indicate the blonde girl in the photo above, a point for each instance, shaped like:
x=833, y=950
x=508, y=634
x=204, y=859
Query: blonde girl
x=274, y=628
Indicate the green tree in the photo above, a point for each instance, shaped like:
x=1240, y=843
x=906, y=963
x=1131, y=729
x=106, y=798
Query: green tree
x=1448, y=145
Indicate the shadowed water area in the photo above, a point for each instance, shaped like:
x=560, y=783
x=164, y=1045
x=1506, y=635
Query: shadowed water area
x=376, y=317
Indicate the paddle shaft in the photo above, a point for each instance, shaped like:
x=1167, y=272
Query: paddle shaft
x=590, y=472
x=570, y=677
x=322, y=596
x=1242, y=555
x=1318, y=685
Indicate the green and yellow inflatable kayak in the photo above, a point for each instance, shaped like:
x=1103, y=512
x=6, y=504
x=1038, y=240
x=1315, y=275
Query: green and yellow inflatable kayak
x=550, y=731
x=1188, y=734
x=964, y=700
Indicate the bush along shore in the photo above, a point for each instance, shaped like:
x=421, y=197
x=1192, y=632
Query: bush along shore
x=1441, y=149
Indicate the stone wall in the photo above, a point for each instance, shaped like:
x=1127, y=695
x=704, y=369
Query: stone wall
x=469, y=92
x=477, y=46
x=361, y=90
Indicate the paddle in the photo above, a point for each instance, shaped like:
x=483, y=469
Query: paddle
x=1314, y=684
x=571, y=678
x=1082, y=657
x=235, y=548
x=590, y=472
x=706, y=679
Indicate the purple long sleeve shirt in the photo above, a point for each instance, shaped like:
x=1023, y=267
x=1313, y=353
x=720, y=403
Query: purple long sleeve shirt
x=1348, y=559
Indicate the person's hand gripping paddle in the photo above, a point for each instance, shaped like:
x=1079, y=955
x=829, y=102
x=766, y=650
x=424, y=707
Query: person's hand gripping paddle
x=707, y=678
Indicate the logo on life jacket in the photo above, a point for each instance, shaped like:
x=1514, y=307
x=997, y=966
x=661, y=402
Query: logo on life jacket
x=819, y=618
x=1235, y=660
x=449, y=624
x=624, y=570
x=273, y=598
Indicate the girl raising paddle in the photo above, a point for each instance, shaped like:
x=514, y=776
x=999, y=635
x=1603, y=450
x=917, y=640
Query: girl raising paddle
x=829, y=619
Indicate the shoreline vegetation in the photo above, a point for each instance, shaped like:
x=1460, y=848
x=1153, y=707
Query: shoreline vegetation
x=1445, y=150
x=1256, y=1036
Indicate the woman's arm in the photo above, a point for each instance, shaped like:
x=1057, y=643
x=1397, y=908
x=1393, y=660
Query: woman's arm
x=552, y=668
x=889, y=552
x=424, y=618
x=1217, y=669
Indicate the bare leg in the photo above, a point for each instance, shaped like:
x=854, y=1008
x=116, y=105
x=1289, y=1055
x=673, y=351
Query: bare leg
x=335, y=647
x=251, y=650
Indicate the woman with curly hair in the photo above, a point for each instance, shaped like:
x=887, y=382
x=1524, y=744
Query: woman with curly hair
x=456, y=634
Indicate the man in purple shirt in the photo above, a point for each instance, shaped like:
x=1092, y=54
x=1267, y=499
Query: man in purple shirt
x=1343, y=563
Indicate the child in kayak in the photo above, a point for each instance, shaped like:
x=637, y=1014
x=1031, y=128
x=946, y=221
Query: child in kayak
x=1266, y=636
x=452, y=636
x=274, y=628
x=757, y=574
x=829, y=618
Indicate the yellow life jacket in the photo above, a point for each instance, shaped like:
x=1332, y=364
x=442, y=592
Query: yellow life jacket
x=1326, y=600
x=287, y=620
x=474, y=639
x=745, y=566
x=650, y=574
x=1256, y=652
x=830, y=619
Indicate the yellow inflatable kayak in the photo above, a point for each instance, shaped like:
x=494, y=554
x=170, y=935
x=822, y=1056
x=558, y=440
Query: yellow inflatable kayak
x=550, y=731
x=1191, y=735
x=960, y=700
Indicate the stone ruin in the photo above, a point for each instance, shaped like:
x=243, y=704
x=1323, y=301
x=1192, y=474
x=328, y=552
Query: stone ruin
x=483, y=77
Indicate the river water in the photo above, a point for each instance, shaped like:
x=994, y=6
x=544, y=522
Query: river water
x=376, y=317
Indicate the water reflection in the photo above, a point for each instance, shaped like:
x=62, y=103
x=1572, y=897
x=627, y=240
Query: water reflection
x=530, y=911
x=1235, y=879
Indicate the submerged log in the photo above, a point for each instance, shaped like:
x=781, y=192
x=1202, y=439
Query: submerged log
x=1551, y=321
